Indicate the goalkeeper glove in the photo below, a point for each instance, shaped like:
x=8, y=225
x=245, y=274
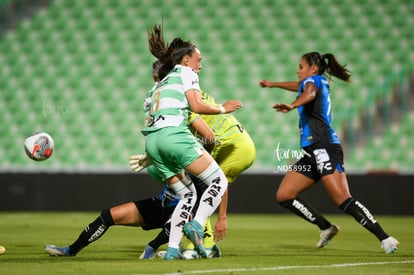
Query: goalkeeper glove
x=139, y=162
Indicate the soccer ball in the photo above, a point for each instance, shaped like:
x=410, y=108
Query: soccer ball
x=39, y=146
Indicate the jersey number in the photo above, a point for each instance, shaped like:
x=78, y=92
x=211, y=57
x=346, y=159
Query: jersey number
x=155, y=103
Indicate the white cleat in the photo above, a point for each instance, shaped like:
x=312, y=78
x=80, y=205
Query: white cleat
x=326, y=235
x=389, y=245
x=54, y=250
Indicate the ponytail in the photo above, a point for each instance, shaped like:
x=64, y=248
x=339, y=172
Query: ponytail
x=156, y=44
x=328, y=63
x=160, y=50
x=168, y=55
x=336, y=69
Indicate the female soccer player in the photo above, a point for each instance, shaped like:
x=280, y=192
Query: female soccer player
x=322, y=150
x=170, y=145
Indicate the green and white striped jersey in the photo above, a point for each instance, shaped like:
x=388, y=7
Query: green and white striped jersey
x=166, y=104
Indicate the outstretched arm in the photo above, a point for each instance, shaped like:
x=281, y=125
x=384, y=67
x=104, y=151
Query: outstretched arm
x=307, y=96
x=287, y=85
x=198, y=106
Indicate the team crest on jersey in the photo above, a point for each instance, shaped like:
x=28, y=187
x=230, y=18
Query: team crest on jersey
x=322, y=160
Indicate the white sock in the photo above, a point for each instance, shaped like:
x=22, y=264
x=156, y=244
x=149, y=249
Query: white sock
x=217, y=183
x=186, y=192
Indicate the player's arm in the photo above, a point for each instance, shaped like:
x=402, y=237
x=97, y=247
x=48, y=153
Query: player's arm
x=286, y=85
x=197, y=105
x=200, y=128
x=308, y=95
x=220, y=229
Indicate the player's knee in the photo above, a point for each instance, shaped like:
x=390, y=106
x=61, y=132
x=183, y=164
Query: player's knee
x=106, y=217
x=283, y=196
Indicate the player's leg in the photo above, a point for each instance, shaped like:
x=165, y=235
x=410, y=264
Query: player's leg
x=184, y=189
x=91, y=233
x=287, y=196
x=288, y=193
x=211, y=247
x=124, y=214
x=208, y=238
x=180, y=143
x=208, y=171
x=235, y=154
x=336, y=185
x=154, y=244
x=156, y=215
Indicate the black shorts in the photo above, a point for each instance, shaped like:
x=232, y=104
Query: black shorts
x=154, y=215
x=319, y=161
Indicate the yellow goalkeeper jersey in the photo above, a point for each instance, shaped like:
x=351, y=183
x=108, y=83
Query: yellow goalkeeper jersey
x=234, y=149
x=221, y=124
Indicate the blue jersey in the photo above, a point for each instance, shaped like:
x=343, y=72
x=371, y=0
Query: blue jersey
x=315, y=116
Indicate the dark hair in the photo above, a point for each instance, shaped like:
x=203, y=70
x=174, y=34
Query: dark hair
x=328, y=63
x=155, y=70
x=168, y=55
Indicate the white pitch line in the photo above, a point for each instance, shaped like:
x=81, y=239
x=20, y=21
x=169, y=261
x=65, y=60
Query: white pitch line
x=273, y=268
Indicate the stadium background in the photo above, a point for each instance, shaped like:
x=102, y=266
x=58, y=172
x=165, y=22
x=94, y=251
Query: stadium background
x=79, y=70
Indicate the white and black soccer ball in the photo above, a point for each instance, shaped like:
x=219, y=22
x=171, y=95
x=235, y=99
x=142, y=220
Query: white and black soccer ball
x=39, y=146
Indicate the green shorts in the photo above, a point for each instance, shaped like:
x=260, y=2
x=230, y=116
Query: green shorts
x=171, y=149
x=154, y=173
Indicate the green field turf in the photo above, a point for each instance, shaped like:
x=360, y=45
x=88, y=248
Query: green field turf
x=255, y=244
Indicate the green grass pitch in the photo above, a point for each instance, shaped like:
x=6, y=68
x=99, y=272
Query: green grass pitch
x=255, y=244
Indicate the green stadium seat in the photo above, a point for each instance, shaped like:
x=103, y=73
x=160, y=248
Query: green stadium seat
x=92, y=62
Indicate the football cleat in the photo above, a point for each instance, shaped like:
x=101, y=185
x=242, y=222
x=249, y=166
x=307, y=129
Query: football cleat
x=54, y=250
x=161, y=254
x=213, y=252
x=326, y=235
x=190, y=254
x=173, y=254
x=194, y=232
x=390, y=245
x=148, y=254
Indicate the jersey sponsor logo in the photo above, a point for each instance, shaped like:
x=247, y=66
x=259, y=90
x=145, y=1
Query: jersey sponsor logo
x=305, y=211
x=209, y=201
x=322, y=160
x=185, y=209
x=213, y=190
x=324, y=166
x=321, y=155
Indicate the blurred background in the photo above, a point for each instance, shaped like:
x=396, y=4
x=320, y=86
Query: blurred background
x=79, y=70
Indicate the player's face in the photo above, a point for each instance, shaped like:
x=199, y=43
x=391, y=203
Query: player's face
x=305, y=70
x=194, y=61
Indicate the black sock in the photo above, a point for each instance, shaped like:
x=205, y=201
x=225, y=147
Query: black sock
x=362, y=215
x=304, y=210
x=161, y=239
x=92, y=232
